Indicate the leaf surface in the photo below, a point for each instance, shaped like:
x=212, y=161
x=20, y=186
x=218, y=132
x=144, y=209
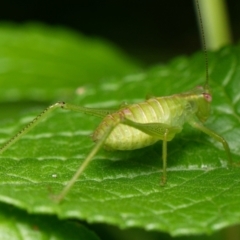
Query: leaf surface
x=17, y=224
x=122, y=188
x=42, y=63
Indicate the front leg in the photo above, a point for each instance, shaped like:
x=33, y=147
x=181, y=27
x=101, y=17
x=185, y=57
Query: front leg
x=214, y=135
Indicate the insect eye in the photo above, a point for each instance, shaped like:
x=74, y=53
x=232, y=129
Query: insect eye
x=207, y=96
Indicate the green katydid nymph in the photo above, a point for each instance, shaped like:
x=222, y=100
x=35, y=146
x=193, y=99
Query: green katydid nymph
x=139, y=125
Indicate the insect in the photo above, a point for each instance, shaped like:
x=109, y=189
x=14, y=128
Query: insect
x=139, y=125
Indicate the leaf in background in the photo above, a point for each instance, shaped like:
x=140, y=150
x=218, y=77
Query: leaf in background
x=17, y=224
x=202, y=194
x=42, y=63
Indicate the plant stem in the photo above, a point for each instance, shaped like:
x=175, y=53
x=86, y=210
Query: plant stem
x=215, y=23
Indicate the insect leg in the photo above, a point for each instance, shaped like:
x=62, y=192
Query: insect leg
x=85, y=163
x=29, y=126
x=162, y=131
x=154, y=129
x=214, y=135
x=91, y=111
x=164, y=156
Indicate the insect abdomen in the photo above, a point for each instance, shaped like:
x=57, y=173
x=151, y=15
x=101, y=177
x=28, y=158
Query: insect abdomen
x=168, y=110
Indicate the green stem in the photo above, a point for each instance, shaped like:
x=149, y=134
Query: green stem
x=215, y=23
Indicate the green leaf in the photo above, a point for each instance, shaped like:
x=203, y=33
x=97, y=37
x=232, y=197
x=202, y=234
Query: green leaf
x=17, y=224
x=42, y=63
x=202, y=194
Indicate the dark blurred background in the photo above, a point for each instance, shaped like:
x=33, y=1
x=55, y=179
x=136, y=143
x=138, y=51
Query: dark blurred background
x=151, y=31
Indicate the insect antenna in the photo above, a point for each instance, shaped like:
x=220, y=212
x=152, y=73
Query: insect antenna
x=206, y=85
